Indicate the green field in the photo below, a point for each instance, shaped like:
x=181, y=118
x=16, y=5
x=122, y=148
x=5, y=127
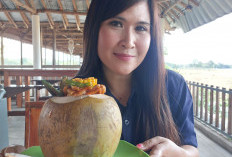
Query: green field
x=215, y=77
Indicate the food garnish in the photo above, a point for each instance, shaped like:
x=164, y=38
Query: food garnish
x=75, y=87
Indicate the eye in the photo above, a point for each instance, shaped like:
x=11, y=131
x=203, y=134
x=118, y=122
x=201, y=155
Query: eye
x=141, y=28
x=116, y=23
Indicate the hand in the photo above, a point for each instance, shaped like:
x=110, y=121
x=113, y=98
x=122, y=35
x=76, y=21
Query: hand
x=162, y=147
x=12, y=149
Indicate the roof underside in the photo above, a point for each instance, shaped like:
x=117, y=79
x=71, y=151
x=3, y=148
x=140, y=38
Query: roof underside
x=66, y=18
x=207, y=11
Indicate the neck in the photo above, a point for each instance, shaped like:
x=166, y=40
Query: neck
x=119, y=85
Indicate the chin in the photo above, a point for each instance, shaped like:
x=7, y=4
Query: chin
x=124, y=72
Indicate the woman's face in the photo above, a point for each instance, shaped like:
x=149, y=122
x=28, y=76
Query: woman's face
x=124, y=40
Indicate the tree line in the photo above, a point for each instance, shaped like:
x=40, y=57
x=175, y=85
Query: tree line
x=199, y=64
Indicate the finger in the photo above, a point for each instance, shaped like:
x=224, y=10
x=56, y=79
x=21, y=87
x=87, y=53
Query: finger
x=149, y=144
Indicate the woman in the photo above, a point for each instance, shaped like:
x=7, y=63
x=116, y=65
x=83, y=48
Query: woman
x=122, y=48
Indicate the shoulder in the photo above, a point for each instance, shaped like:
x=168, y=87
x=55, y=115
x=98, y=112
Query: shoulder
x=173, y=76
x=178, y=93
x=174, y=80
x=177, y=90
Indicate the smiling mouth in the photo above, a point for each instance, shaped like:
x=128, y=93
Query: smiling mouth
x=124, y=57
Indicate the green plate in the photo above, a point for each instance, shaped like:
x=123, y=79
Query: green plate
x=124, y=149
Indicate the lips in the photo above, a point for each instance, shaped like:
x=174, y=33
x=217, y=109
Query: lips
x=124, y=57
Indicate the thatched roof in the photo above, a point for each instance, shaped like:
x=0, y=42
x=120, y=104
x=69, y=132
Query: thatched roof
x=66, y=18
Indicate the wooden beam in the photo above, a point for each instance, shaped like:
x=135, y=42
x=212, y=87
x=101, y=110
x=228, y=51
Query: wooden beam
x=65, y=20
x=61, y=12
x=66, y=44
x=194, y=2
x=172, y=11
x=74, y=5
x=162, y=6
x=54, y=48
x=183, y=4
x=24, y=17
x=33, y=11
x=2, y=53
x=28, y=3
x=174, y=14
x=48, y=15
x=32, y=4
x=179, y=10
x=60, y=36
x=64, y=32
x=25, y=20
x=65, y=39
x=167, y=24
x=25, y=33
x=176, y=8
x=169, y=15
x=76, y=16
x=72, y=26
x=87, y=3
x=59, y=40
x=45, y=11
x=169, y=8
x=51, y=23
x=10, y=19
x=161, y=1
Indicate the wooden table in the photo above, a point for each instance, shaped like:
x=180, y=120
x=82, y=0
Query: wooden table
x=27, y=74
x=17, y=89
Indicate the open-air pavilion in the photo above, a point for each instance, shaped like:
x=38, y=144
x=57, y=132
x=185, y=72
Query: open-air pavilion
x=57, y=26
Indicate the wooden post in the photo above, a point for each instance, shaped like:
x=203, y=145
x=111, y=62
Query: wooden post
x=217, y=107
x=206, y=103
x=230, y=113
x=194, y=99
x=211, y=105
x=19, y=96
x=27, y=93
x=2, y=53
x=7, y=83
x=197, y=99
x=201, y=110
x=223, y=110
x=54, y=48
x=41, y=45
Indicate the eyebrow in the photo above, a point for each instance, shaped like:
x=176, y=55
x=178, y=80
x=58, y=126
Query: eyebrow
x=140, y=22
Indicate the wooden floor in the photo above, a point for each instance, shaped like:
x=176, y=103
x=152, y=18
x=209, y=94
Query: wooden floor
x=207, y=147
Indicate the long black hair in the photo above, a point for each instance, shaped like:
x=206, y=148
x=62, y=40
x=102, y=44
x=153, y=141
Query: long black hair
x=154, y=115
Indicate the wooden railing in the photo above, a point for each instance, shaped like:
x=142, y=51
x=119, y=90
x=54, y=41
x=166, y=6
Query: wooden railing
x=213, y=105
x=23, y=77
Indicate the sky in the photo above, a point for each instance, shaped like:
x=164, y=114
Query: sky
x=212, y=41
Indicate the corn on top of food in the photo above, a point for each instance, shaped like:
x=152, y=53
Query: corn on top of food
x=75, y=87
x=91, y=81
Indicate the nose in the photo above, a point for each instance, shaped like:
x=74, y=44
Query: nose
x=128, y=40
